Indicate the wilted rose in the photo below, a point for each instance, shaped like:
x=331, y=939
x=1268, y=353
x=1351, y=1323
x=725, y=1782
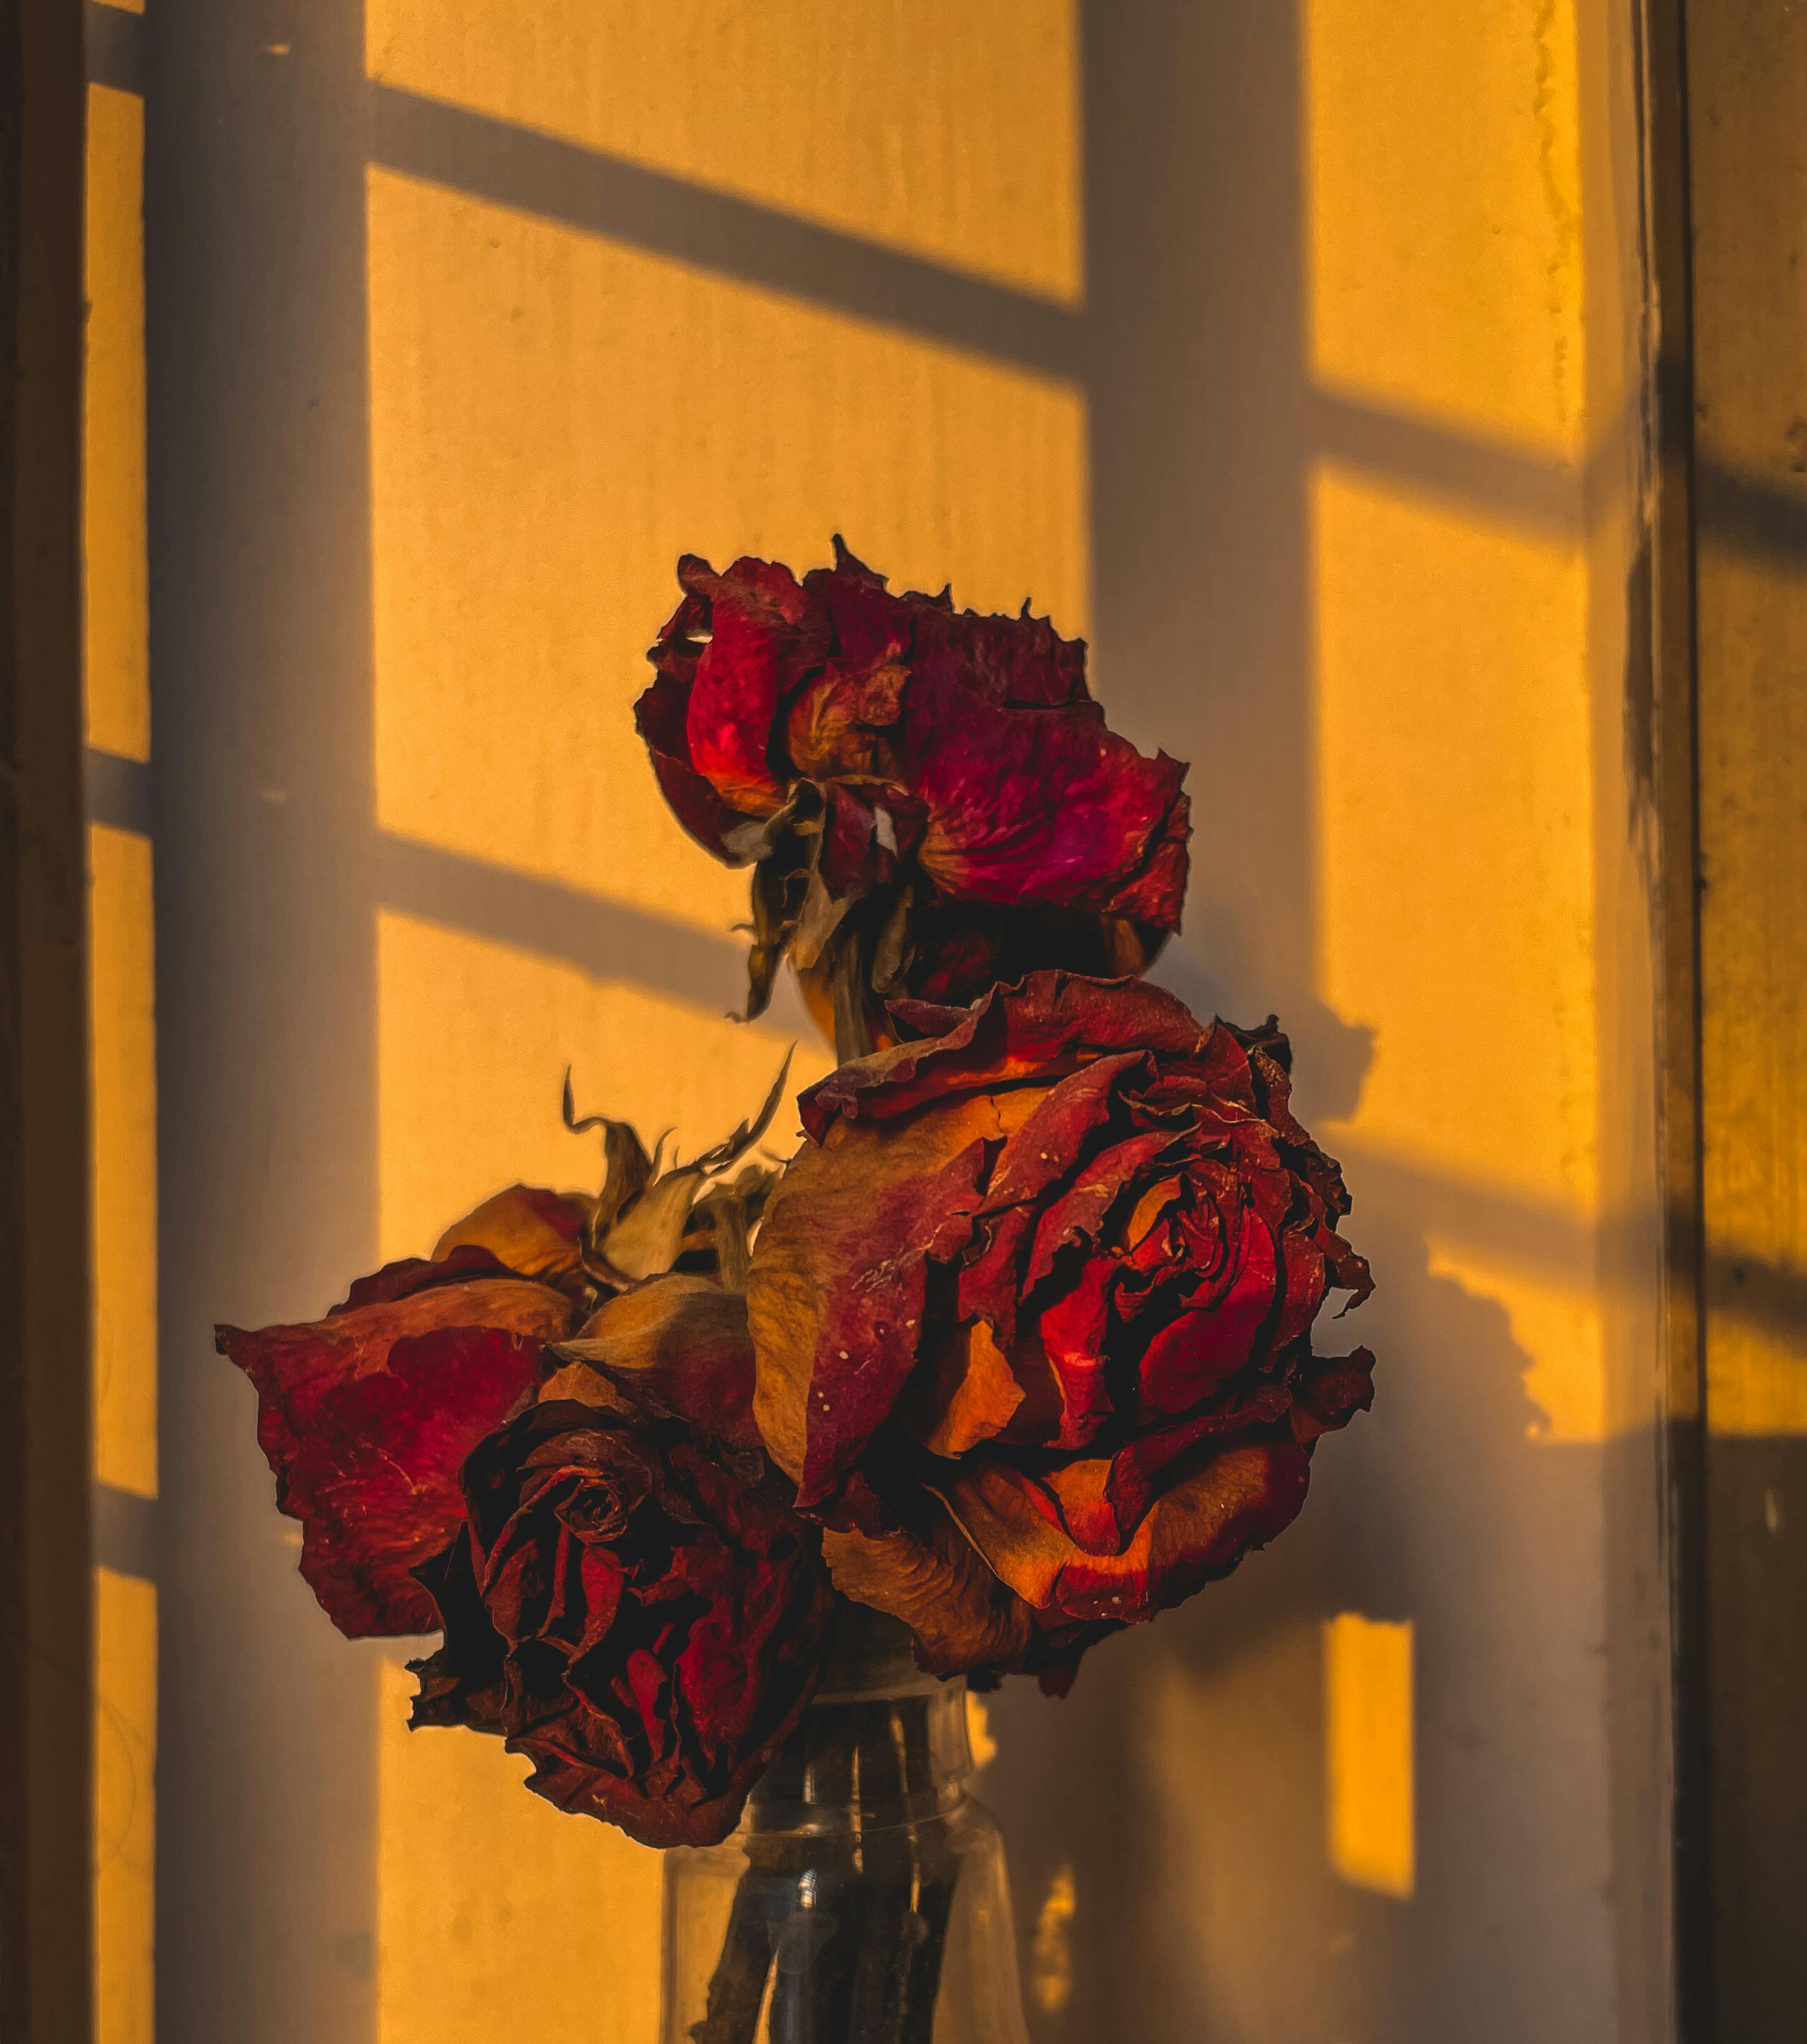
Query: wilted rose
x=630, y=1600
x=367, y=1415
x=1039, y=1294
x=932, y=798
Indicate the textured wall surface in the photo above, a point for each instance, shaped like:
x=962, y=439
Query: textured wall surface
x=1281, y=351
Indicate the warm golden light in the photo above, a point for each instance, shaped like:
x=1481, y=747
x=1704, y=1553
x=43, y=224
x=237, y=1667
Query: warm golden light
x=555, y=418
x=474, y=1039
x=947, y=130
x=1369, y=1741
x=123, y=1026
x=500, y=1917
x=1455, y=864
x=1051, y=1975
x=1445, y=254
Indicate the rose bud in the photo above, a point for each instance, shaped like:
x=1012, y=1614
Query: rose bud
x=1046, y=1280
x=931, y=799
x=636, y=1610
x=367, y=1415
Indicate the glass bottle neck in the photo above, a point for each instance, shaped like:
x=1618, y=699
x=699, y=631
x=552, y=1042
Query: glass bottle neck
x=882, y=1743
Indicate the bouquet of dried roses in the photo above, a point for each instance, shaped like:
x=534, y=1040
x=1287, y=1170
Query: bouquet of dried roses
x=1016, y=1350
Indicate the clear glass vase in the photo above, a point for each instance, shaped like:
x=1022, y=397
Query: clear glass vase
x=864, y=1898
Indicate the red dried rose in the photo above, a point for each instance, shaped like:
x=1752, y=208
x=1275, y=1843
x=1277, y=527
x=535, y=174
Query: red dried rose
x=637, y=1608
x=1040, y=1291
x=367, y=1415
x=932, y=799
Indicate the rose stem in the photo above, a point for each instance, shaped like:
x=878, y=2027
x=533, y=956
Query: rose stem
x=937, y=1869
x=810, y=1996
x=888, y=1853
x=737, y=1987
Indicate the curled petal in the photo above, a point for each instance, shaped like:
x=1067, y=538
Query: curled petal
x=930, y=1577
x=626, y=1611
x=983, y=774
x=366, y=1417
x=1197, y=1529
x=742, y=674
x=679, y=1345
x=1331, y=1392
x=534, y=1232
x=660, y=717
x=835, y=1300
x=1047, y=1024
x=1188, y=1359
x=965, y=1393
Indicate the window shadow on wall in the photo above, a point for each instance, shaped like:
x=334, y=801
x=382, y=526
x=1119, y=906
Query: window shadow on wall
x=260, y=628
x=1183, y=1783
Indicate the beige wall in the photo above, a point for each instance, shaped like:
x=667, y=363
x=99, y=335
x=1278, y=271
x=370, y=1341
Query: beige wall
x=1284, y=352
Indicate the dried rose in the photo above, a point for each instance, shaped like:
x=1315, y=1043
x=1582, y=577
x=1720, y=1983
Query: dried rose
x=930, y=798
x=636, y=1609
x=367, y=1415
x=1046, y=1279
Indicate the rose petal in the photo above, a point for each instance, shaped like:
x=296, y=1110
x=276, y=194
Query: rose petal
x=1042, y=1028
x=833, y=1354
x=1185, y=1362
x=403, y=1279
x=744, y=669
x=984, y=773
x=295, y=1368
x=1009, y=662
x=1073, y=1332
x=661, y=716
x=1069, y=1118
x=530, y=1231
x=1331, y=1391
x=679, y=1345
x=643, y=1626
x=1077, y=1218
x=930, y=1577
x=1199, y=1529
x=963, y=1393
x=366, y=1418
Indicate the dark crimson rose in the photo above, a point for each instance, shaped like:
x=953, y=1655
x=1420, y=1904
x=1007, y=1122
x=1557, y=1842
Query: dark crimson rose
x=367, y=1415
x=637, y=1610
x=930, y=798
x=1040, y=1289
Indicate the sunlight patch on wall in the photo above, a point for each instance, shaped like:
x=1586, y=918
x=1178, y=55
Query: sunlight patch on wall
x=1050, y=1951
x=1554, y=1321
x=1455, y=876
x=1442, y=170
x=125, y=1747
x=500, y=1916
x=1228, y=1783
x=1456, y=873
x=123, y=1041
x=1756, y=1383
x=555, y=419
x=1368, y=1739
x=946, y=130
x=115, y=600
x=473, y=1040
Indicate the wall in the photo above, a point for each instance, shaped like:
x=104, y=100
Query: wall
x=1285, y=353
